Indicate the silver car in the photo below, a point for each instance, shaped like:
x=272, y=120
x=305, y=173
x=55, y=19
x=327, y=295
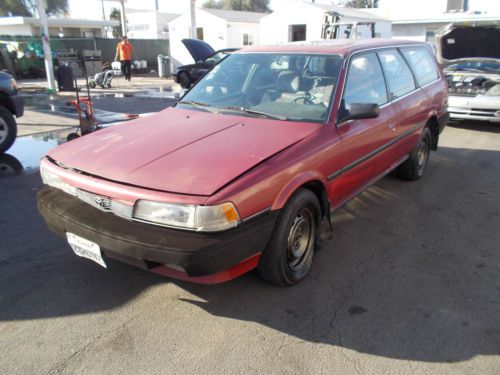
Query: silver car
x=470, y=56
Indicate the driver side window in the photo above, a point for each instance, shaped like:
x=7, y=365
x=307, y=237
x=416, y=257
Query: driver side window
x=365, y=81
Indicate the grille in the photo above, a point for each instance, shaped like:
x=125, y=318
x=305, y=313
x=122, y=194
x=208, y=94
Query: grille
x=105, y=204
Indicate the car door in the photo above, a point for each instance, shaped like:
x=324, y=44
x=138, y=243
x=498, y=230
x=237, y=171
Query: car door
x=409, y=102
x=363, y=140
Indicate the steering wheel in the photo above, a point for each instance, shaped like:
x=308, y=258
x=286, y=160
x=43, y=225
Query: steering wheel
x=307, y=98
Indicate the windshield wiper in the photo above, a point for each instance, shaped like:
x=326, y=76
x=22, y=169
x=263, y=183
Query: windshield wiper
x=196, y=104
x=253, y=112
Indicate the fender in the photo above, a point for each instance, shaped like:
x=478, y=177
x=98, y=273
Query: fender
x=294, y=184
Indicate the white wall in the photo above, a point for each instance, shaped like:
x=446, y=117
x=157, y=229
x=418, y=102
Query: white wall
x=275, y=27
x=237, y=29
x=15, y=30
x=401, y=9
x=215, y=33
x=141, y=25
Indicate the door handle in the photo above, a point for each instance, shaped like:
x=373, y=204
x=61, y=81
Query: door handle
x=392, y=126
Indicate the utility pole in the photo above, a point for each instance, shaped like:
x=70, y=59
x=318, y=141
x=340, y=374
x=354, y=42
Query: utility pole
x=49, y=69
x=124, y=22
x=193, y=20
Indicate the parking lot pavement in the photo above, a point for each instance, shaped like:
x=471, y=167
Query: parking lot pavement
x=409, y=284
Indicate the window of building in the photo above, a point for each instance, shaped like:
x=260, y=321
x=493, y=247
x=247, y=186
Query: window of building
x=199, y=33
x=247, y=39
x=297, y=33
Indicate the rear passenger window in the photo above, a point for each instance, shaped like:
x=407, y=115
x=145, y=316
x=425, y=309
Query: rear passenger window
x=365, y=81
x=397, y=73
x=421, y=63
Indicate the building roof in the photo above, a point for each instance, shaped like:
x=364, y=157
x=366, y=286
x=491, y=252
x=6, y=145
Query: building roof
x=348, y=12
x=236, y=15
x=57, y=22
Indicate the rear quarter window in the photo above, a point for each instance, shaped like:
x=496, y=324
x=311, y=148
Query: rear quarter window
x=421, y=63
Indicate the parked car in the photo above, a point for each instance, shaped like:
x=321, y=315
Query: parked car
x=204, y=55
x=472, y=69
x=248, y=168
x=11, y=104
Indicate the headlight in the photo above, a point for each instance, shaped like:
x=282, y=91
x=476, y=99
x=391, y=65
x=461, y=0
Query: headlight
x=54, y=180
x=198, y=218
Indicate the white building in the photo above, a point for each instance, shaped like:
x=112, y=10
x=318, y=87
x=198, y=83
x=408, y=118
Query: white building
x=148, y=24
x=303, y=21
x=67, y=27
x=219, y=28
x=419, y=20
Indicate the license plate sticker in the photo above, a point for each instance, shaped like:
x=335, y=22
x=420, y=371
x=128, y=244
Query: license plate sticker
x=85, y=248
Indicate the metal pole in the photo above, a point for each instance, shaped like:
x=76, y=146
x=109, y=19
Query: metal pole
x=46, y=46
x=193, y=20
x=104, y=29
x=124, y=22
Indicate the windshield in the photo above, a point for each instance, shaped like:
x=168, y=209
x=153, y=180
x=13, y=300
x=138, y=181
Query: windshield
x=483, y=66
x=296, y=87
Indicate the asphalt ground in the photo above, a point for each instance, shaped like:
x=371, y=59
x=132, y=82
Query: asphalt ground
x=409, y=285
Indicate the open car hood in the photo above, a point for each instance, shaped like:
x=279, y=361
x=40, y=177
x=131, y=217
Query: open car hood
x=180, y=151
x=198, y=49
x=460, y=42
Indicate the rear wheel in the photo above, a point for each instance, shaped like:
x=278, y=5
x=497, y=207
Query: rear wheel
x=288, y=256
x=413, y=169
x=184, y=80
x=8, y=129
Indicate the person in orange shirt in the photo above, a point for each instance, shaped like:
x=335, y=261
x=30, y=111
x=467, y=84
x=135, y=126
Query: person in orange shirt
x=124, y=51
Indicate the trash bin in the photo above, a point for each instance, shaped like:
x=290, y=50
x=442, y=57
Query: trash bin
x=64, y=76
x=164, y=66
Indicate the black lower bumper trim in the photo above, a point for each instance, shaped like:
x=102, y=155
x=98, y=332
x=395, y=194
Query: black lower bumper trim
x=145, y=245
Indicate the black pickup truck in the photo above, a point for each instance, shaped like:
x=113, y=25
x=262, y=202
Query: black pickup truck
x=11, y=104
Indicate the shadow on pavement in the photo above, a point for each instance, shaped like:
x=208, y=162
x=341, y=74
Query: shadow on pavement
x=480, y=126
x=412, y=272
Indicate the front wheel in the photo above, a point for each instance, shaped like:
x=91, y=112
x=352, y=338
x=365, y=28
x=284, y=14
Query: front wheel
x=184, y=80
x=414, y=167
x=288, y=256
x=8, y=129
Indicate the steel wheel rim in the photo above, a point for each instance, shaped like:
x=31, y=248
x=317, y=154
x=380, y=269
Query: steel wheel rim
x=4, y=130
x=300, y=239
x=422, y=156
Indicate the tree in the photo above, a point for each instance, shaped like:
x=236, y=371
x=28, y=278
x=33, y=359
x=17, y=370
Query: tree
x=116, y=14
x=244, y=5
x=29, y=8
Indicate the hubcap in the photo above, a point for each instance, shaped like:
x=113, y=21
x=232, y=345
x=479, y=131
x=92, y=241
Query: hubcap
x=422, y=156
x=4, y=130
x=300, y=239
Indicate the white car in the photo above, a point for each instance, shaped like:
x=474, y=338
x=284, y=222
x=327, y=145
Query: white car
x=470, y=56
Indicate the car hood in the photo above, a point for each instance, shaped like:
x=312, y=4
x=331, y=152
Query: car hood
x=181, y=151
x=198, y=49
x=458, y=42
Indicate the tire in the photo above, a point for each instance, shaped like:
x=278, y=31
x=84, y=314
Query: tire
x=288, y=256
x=92, y=84
x=9, y=165
x=8, y=129
x=413, y=169
x=184, y=80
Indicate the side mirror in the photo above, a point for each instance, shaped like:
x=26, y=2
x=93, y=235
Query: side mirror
x=359, y=111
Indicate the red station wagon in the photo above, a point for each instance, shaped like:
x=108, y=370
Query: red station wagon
x=247, y=170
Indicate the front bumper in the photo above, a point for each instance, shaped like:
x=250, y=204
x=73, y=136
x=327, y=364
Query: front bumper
x=149, y=246
x=18, y=103
x=473, y=114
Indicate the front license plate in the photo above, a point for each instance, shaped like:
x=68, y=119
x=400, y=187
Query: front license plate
x=85, y=248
